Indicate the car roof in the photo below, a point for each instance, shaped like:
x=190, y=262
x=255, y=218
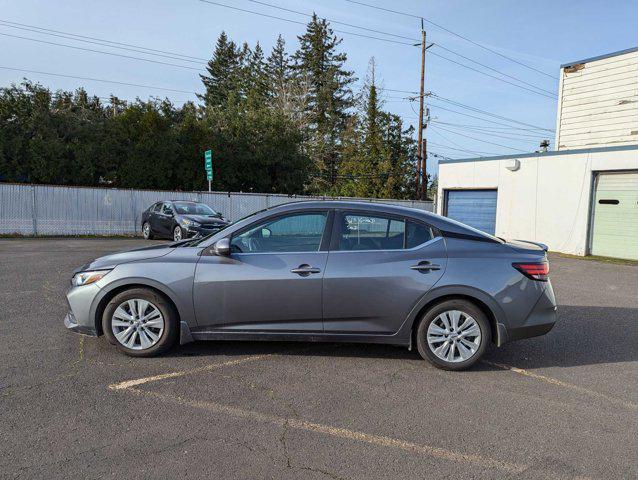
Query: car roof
x=442, y=223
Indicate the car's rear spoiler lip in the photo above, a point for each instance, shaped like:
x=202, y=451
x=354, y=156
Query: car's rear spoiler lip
x=541, y=245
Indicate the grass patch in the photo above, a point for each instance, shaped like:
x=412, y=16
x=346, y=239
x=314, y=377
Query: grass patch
x=598, y=258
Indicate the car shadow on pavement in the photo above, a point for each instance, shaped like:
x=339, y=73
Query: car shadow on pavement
x=582, y=336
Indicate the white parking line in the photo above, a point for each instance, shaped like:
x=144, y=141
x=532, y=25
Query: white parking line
x=560, y=383
x=344, y=433
x=212, y=366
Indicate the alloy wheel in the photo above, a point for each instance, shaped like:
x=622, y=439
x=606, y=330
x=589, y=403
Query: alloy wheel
x=137, y=324
x=454, y=336
x=146, y=231
x=177, y=234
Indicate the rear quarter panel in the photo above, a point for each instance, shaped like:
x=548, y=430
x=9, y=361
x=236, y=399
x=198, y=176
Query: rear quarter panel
x=484, y=269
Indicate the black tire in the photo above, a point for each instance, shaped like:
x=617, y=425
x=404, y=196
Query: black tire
x=147, y=232
x=169, y=334
x=181, y=233
x=432, y=314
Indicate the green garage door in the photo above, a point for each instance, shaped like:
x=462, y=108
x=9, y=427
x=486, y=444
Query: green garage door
x=615, y=225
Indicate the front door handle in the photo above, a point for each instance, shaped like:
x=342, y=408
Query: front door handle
x=425, y=266
x=304, y=270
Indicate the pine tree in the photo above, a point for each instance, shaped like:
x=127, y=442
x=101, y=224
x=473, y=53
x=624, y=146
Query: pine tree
x=329, y=95
x=224, y=73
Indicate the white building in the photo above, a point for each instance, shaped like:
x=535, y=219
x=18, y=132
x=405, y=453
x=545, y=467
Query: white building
x=580, y=199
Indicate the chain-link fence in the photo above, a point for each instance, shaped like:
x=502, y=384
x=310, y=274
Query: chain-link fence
x=56, y=210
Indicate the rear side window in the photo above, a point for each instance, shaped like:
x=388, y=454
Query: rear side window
x=156, y=207
x=371, y=232
x=417, y=234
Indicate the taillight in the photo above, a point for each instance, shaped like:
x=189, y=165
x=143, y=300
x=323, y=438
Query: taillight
x=536, y=271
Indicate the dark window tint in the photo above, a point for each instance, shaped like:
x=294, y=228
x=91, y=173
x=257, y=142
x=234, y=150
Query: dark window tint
x=609, y=202
x=156, y=207
x=290, y=233
x=417, y=234
x=167, y=209
x=367, y=232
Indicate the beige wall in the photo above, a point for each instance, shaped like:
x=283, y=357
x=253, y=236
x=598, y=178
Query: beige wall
x=598, y=103
x=547, y=200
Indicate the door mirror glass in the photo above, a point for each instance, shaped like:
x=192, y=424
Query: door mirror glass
x=222, y=247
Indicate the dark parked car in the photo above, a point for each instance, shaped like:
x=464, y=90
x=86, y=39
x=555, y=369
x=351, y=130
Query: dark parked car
x=323, y=271
x=179, y=219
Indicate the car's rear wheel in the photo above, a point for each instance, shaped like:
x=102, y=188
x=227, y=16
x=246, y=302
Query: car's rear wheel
x=453, y=335
x=146, y=231
x=140, y=322
x=178, y=233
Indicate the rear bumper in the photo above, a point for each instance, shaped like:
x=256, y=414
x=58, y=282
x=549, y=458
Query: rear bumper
x=540, y=320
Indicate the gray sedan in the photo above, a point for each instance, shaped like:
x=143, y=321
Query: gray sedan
x=323, y=271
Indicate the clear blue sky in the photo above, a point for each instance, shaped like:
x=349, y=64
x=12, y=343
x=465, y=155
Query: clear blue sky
x=541, y=33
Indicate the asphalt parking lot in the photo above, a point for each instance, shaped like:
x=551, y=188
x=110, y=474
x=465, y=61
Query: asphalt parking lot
x=560, y=406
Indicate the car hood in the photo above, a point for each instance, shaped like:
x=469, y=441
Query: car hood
x=110, y=261
x=207, y=219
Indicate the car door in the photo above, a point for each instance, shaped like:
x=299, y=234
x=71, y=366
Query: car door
x=378, y=268
x=165, y=220
x=271, y=281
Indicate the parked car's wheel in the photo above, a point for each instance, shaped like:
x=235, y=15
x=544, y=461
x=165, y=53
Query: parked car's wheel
x=140, y=322
x=453, y=335
x=146, y=231
x=178, y=233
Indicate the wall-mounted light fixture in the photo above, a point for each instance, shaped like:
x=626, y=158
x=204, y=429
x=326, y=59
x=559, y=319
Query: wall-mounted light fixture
x=513, y=165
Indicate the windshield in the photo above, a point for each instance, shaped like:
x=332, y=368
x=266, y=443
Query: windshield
x=192, y=208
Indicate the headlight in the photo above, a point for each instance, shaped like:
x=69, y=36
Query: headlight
x=86, y=278
x=190, y=223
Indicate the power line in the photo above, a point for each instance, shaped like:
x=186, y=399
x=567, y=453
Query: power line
x=491, y=76
x=483, y=112
x=476, y=152
x=302, y=23
x=101, y=51
x=484, y=141
x=495, y=70
x=110, y=43
x=333, y=21
x=116, y=82
x=487, y=127
x=496, y=133
x=456, y=35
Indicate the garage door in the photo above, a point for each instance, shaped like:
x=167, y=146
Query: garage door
x=476, y=208
x=615, y=225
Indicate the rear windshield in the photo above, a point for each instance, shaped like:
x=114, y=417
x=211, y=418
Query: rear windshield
x=475, y=231
x=192, y=208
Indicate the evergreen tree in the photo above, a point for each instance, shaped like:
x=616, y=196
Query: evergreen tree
x=224, y=72
x=329, y=95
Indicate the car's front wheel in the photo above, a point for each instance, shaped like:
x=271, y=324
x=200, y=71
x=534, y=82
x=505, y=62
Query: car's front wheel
x=146, y=231
x=178, y=233
x=453, y=335
x=140, y=322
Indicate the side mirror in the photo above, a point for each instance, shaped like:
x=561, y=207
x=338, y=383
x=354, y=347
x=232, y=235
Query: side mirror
x=222, y=247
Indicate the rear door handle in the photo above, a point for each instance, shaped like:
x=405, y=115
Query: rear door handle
x=304, y=270
x=425, y=266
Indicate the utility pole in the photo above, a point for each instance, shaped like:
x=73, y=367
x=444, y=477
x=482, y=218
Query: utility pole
x=420, y=160
x=424, y=182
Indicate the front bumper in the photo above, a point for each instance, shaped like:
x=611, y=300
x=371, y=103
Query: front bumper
x=203, y=231
x=79, y=318
x=540, y=320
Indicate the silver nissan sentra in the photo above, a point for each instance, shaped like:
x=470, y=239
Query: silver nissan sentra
x=323, y=271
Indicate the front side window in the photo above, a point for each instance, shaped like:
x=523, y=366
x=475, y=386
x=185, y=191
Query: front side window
x=301, y=232
x=156, y=208
x=167, y=209
x=371, y=232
